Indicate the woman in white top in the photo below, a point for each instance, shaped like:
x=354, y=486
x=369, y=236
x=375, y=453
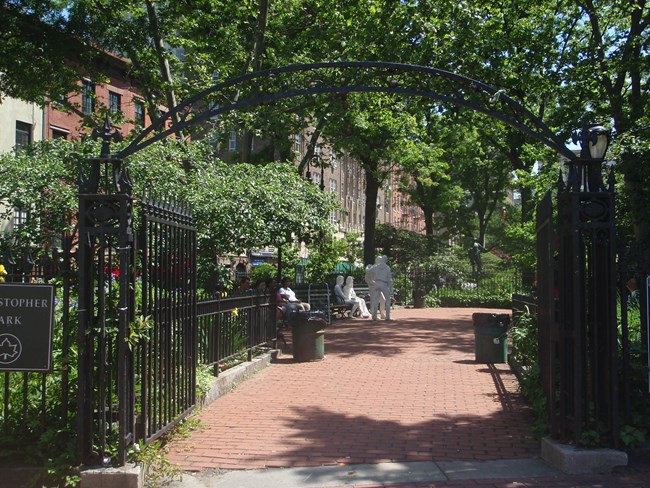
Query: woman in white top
x=348, y=292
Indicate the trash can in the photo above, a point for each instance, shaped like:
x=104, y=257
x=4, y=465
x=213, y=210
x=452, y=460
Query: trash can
x=491, y=337
x=308, y=337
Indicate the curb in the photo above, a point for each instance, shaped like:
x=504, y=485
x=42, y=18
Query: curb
x=574, y=460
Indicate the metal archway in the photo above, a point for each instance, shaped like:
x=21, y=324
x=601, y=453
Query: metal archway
x=347, y=77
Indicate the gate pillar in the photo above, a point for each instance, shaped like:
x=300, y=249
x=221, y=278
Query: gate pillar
x=106, y=306
x=587, y=379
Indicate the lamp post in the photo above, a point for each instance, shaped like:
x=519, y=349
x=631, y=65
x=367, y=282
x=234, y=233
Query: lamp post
x=322, y=178
x=585, y=310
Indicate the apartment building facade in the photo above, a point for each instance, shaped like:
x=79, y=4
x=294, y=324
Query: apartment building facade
x=121, y=97
x=343, y=176
x=22, y=123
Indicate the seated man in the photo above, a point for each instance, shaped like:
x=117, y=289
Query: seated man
x=244, y=286
x=282, y=305
x=290, y=295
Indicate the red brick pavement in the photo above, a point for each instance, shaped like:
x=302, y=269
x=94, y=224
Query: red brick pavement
x=406, y=390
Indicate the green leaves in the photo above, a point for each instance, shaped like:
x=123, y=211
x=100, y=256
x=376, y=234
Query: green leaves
x=235, y=207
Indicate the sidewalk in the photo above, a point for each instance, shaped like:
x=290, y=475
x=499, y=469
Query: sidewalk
x=399, y=403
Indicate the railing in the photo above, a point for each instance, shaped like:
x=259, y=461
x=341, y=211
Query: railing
x=411, y=286
x=35, y=406
x=232, y=326
x=631, y=351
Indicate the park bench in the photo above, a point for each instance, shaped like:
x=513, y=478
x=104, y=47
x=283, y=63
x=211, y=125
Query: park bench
x=321, y=297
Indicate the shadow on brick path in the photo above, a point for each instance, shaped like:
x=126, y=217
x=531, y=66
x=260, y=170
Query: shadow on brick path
x=400, y=391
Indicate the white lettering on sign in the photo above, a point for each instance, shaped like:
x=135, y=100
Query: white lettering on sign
x=10, y=320
x=24, y=302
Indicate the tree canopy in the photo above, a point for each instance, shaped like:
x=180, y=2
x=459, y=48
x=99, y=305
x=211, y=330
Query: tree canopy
x=234, y=207
x=569, y=62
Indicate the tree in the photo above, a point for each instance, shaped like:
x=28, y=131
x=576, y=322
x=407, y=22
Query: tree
x=606, y=71
x=234, y=207
x=371, y=130
x=40, y=59
x=402, y=246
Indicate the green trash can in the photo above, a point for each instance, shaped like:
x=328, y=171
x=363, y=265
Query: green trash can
x=491, y=337
x=308, y=338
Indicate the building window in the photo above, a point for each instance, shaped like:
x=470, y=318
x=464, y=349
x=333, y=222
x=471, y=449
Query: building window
x=138, y=110
x=232, y=141
x=114, y=102
x=20, y=217
x=316, y=179
x=59, y=134
x=297, y=143
x=332, y=185
x=23, y=133
x=87, y=97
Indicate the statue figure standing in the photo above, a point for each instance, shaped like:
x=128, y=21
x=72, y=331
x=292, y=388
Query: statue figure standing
x=371, y=289
x=380, y=282
x=475, y=257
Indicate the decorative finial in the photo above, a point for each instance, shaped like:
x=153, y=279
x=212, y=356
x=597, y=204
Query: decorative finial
x=106, y=134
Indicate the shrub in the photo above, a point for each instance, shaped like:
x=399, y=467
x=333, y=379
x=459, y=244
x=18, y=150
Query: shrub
x=264, y=271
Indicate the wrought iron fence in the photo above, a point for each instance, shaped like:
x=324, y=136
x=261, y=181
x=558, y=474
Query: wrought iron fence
x=632, y=400
x=40, y=411
x=411, y=287
x=165, y=333
x=229, y=327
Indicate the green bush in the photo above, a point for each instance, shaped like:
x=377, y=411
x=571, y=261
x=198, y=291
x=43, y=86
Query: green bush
x=524, y=339
x=264, y=271
x=483, y=299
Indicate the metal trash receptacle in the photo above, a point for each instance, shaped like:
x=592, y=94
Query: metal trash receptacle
x=491, y=337
x=308, y=338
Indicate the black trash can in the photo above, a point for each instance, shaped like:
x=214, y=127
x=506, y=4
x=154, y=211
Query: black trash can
x=308, y=337
x=491, y=337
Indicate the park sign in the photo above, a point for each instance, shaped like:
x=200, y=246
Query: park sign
x=26, y=318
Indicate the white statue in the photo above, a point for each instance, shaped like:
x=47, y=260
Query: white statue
x=350, y=295
x=341, y=298
x=380, y=282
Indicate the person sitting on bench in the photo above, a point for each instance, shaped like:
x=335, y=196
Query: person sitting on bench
x=290, y=296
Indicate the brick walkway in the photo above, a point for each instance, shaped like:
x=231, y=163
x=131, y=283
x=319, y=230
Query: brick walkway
x=406, y=390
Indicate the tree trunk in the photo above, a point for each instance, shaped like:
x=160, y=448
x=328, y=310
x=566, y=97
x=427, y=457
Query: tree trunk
x=527, y=209
x=163, y=63
x=372, y=190
x=258, y=51
x=428, y=222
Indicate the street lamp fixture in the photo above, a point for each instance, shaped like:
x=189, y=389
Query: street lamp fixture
x=316, y=161
x=322, y=178
x=586, y=173
x=594, y=141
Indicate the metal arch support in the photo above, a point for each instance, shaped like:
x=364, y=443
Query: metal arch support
x=538, y=129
